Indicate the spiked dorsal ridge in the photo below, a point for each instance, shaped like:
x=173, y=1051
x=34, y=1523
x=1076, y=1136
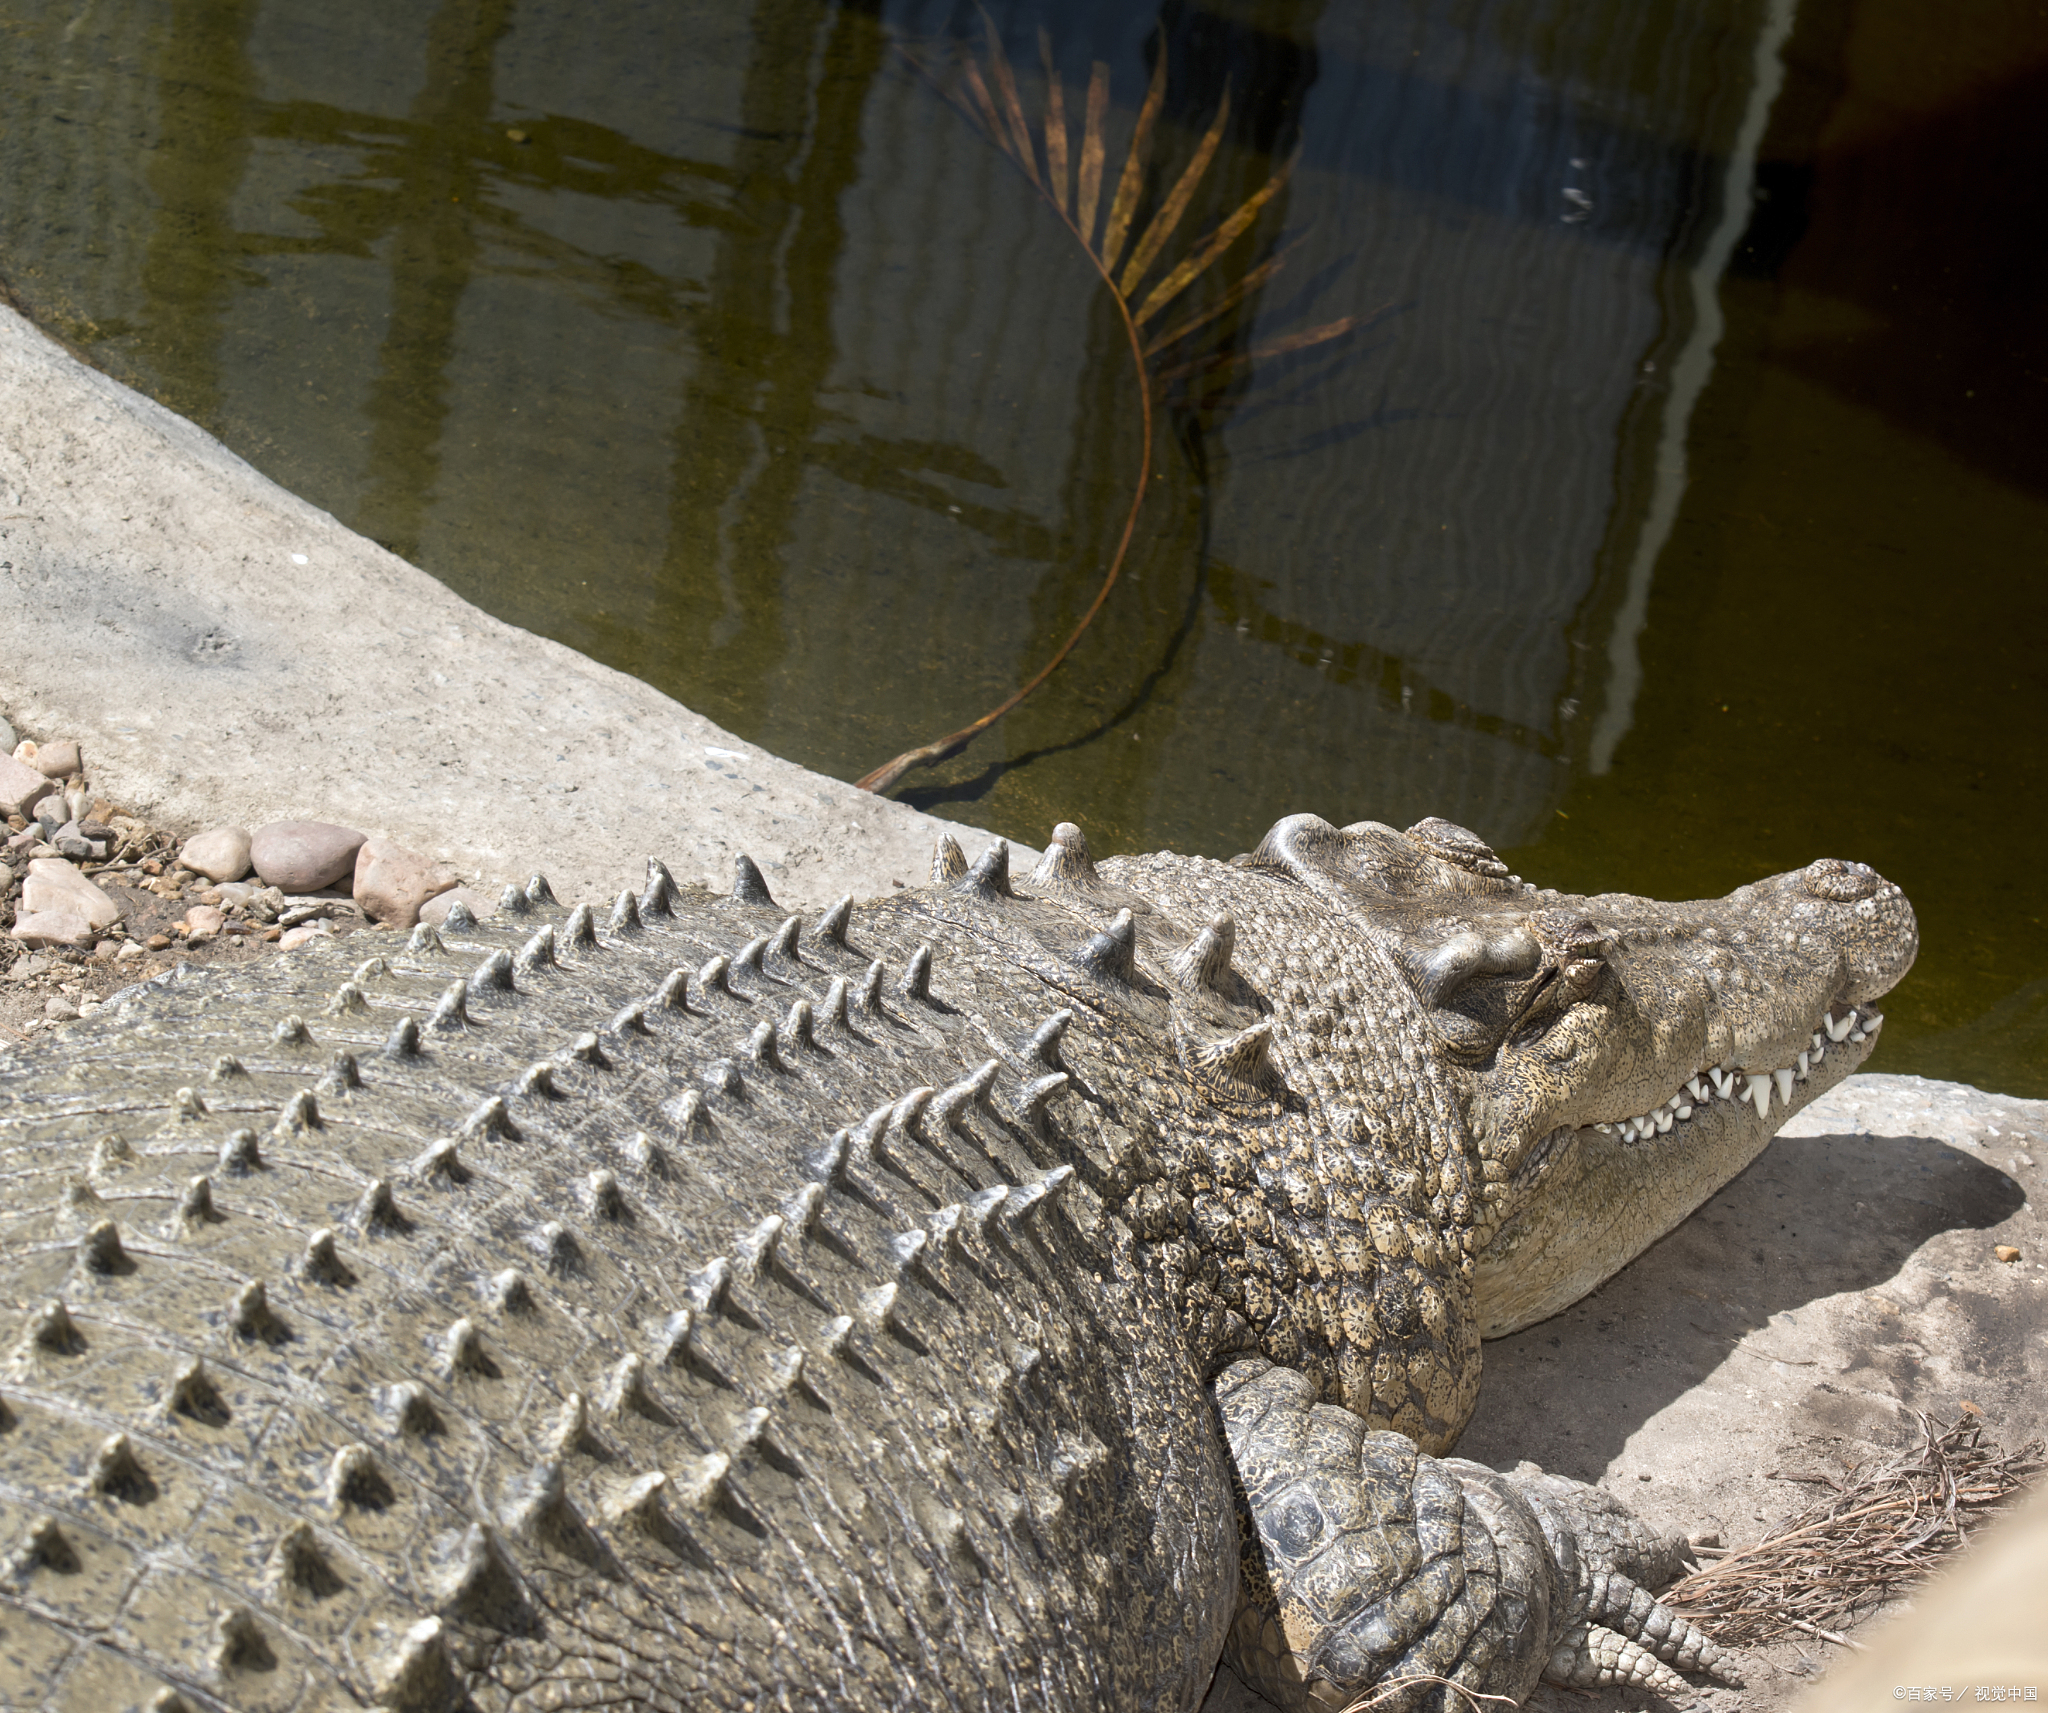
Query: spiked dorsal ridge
x=1246, y=1058
x=1202, y=963
x=1044, y=1046
x=1112, y=955
x=748, y=886
x=917, y=976
x=832, y=925
x=1066, y=865
x=949, y=861
x=659, y=896
x=989, y=878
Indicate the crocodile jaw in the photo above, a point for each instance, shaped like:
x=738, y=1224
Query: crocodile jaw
x=1607, y=1192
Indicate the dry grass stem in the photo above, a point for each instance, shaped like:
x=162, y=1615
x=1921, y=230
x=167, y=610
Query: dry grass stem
x=988, y=96
x=1869, y=1537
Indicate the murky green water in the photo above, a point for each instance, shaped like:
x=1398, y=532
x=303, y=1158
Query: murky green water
x=1676, y=515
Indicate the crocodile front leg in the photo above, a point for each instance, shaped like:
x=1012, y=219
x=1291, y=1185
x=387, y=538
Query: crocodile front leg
x=1371, y=1567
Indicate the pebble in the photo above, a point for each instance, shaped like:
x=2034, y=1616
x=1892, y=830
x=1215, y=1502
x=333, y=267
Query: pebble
x=129, y=951
x=157, y=942
x=42, y=928
x=294, y=938
x=303, y=856
x=6, y=878
x=221, y=853
x=57, y=760
x=21, y=787
x=74, y=846
x=203, y=922
x=392, y=882
x=59, y=1010
x=54, y=884
x=435, y=911
x=8, y=739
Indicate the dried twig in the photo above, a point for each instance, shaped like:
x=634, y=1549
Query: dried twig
x=1854, y=1547
x=1126, y=255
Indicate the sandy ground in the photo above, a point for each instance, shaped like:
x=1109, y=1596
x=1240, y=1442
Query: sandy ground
x=225, y=651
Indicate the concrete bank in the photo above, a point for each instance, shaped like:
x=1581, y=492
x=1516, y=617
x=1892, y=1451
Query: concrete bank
x=225, y=651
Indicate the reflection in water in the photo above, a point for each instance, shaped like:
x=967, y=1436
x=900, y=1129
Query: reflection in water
x=431, y=244
x=711, y=342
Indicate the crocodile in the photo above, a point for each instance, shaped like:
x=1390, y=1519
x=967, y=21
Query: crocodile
x=1019, y=1291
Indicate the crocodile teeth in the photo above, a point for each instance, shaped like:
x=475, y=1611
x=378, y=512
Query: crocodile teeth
x=1838, y=1028
x=1759, y=1092
x=1663, y=1122
x=1724, y=1084
x=1693, y=1087
x=1805, y=1063
x=1683, y=1112
x=1784, y=1081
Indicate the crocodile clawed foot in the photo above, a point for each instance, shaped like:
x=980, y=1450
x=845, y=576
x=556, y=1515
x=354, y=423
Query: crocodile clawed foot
x=1373, y=1571
x=1622, y=1634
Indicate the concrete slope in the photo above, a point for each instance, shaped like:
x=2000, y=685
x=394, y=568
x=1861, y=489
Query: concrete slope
x=226, y=652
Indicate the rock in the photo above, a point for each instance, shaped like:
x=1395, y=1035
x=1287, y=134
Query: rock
x=21, y=788
x=107, y=951
x=129, y=951
x=435, y=911
x=203, y=922
x=2006, y=1253
x=221, y=853
x=235, y=893
x=54, y=884
x=157, y=942
x=74, y=846
x=393, y=882
x=6, y=879
x=44, y=928
x=59, y=1010
x=7, y=737
x=303, y=856
x=294, y=938
x=58, y=760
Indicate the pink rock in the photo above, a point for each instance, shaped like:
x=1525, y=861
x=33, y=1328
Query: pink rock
x=303, y=856
x=435, y=911
x=393, y=882
x=221, y=854
x=41, y=929
x=203, y=922
x=58, y=760
x=293, y=938
x=53, y=884
x=21, y=787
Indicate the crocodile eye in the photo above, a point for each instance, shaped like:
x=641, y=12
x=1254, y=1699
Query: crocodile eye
x=1840, y=882
x=1454, y=844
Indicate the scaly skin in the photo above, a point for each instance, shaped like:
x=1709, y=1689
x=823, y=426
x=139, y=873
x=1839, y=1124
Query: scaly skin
x=914, y=1307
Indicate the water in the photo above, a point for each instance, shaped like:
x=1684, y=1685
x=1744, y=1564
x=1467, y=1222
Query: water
x=1674, y=516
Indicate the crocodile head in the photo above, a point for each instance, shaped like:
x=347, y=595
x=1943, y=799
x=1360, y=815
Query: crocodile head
x=1620, y=1058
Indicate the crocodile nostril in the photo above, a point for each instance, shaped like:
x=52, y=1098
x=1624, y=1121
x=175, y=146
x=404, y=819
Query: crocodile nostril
x=1841, y=882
